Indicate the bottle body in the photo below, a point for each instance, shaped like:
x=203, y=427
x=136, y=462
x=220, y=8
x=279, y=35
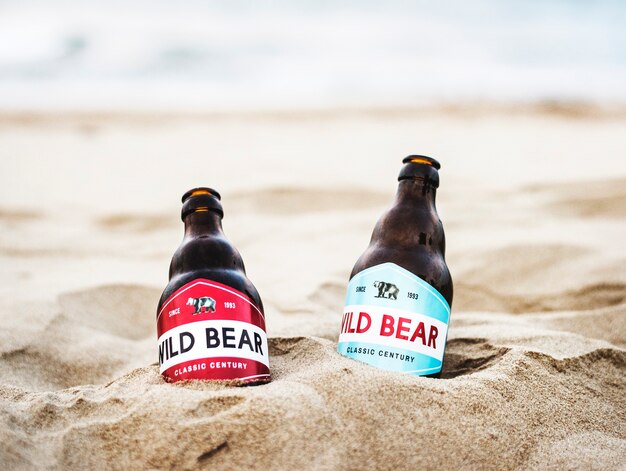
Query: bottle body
x=398, y=300
x=210, y=319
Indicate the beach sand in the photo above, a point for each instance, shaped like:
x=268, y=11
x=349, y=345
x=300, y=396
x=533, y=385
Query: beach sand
x=533, y=201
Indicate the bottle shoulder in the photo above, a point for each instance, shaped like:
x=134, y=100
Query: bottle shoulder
x=410, y=226
x=204, y=252
x=210, y=257
x=215, y=243
x=417, y=260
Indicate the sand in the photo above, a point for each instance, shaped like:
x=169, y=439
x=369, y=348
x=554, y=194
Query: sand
x=533, y=201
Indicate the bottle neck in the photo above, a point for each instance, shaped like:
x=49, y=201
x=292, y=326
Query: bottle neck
x=416, y=191
x=203, y=222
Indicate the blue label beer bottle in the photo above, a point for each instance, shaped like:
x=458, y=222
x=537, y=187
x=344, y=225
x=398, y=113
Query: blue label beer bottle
x=397, y=307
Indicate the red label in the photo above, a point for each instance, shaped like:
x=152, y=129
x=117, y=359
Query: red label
x=207, y=330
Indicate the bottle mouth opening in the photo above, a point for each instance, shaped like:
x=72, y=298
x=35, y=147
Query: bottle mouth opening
x=421, y=159
x=201, y=191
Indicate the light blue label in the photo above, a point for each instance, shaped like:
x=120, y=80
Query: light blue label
x=394, y=320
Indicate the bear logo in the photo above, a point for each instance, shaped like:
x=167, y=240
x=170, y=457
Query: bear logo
x=200, y=304
x=386, y=290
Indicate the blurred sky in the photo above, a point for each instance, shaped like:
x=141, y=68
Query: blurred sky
x=165, y=54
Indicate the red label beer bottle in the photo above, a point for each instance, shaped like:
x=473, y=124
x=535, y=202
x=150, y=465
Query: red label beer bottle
x=210, y=319
x=397, y=306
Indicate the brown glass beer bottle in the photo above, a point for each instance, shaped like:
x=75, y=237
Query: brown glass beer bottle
x=397, y=307
x=210, y=319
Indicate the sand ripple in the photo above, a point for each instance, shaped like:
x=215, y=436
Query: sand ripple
x=525, y=406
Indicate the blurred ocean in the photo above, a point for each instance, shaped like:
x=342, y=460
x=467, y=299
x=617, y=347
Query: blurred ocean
x=281, y=54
